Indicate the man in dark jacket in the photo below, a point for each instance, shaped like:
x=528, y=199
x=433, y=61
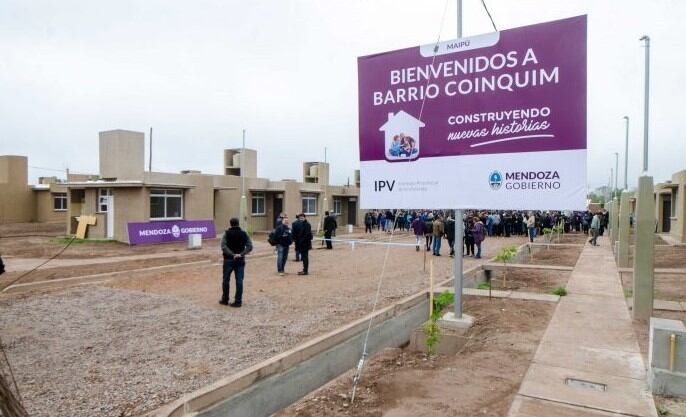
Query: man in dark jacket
x=284, y=238
x=235, y=245
x=303, y=242
x=450, y=234
x=295, y=228
x=330, y=226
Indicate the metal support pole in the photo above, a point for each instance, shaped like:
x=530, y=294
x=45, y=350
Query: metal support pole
x=646, y=102
x=459, y=225
x=626, y=155
x=457, y=262
x=243, y=208
x=614, y=193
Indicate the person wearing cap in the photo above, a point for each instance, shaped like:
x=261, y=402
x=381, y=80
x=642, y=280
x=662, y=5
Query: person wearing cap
x=303, y=242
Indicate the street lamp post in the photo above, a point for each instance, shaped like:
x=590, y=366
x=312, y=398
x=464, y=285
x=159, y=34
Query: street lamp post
x=616, y=172
x=646, y=102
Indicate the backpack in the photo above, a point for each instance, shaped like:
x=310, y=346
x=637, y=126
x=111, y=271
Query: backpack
x=272, y=239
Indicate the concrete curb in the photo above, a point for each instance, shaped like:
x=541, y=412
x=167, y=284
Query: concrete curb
x=499, y=266
x=515, y=295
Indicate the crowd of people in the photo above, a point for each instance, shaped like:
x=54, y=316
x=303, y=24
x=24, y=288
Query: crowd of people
x=429, y=228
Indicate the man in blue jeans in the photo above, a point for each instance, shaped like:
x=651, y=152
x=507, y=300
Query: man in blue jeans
x=284, y=238
x=235, y=245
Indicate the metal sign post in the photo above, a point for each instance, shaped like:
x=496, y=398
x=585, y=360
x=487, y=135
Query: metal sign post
x=459, y=224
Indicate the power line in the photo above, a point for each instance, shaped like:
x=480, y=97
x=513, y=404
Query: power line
x=483, y=2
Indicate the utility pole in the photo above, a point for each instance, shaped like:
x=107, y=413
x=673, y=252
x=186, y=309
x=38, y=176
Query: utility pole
x=626, y=154
x=150, y=156
x=243, y=209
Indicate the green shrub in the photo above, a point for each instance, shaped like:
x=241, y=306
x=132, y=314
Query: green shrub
x=561, y=291
x=484, y=285
x=431, y=328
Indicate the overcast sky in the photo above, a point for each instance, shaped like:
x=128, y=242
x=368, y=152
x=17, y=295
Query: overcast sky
x=199, y=72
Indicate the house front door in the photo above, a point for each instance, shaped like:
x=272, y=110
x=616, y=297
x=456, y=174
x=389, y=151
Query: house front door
x=666, y=214
x=352, y=212
x=278, y=208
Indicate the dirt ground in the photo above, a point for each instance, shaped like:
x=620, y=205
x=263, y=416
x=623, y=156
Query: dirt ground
x=573, y=238
x=530, y=280
x=130, y=345
x=668, y=256
x=480, y=380
x=555, y=255
x=668, y=287
x=666, y=406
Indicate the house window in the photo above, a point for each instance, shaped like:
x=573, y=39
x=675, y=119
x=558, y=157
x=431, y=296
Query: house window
x=310, y=204
x=166, y=204
x=258, y=204
x=103, y=199
x=59, y=201
x=336, y=206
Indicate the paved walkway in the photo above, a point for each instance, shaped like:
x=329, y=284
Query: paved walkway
x=588, y=362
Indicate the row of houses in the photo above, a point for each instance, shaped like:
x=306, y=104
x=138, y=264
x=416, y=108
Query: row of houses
x=123, y=194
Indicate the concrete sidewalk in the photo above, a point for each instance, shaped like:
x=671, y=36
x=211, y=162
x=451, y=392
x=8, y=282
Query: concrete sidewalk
x=588, y=362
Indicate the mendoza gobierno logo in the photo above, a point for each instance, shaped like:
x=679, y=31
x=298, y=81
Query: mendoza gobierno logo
x=525, y=180
x=495, y=180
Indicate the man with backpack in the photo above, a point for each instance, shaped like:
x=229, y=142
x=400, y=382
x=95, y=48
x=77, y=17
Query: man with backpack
x=281, y=237
x=303, y=242
x=235, y=245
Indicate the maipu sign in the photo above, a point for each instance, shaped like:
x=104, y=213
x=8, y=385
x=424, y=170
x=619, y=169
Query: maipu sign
x=503, y=123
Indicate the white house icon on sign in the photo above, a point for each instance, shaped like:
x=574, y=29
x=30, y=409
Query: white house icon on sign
x=401, y=136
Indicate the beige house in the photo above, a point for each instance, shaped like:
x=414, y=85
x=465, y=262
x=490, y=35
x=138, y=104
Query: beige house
x=123, y=192
x=670, y=205
x=21, y=202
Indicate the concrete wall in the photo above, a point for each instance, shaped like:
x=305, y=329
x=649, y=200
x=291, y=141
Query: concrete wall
x=17, y=202
x=45, y=205
x=130, y=205
x=122, y=154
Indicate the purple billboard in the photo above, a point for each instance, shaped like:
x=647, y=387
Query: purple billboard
x=169, y=231
x=452, y=109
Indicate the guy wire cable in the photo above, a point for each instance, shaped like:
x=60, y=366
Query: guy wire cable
x=360, y=365
x=483, y=2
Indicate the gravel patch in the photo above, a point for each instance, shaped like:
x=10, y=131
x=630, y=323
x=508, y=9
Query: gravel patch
x=120, y=353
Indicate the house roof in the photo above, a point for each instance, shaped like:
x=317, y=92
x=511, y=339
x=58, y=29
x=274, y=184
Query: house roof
x=124, y=184
x=401, y=118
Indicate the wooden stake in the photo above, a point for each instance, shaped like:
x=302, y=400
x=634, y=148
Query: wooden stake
x=431, y=289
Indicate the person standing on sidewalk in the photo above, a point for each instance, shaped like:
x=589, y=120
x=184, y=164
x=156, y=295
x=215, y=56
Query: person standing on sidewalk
x=330, y=226
x=595, y=230
x=479, y=235
x=428, y=230
x=284, y=238
x=303, y=242
x=295, y=227
x=450, y=234
x=438, y=232
x=531, y=226
x=368, y=222
x=235, y=245
x=418, y=229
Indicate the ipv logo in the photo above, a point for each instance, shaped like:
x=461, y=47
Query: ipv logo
x=176, y=231
x=495, y=180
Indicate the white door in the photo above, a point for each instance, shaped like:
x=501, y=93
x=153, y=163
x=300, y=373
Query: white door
x=110, y=217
